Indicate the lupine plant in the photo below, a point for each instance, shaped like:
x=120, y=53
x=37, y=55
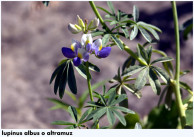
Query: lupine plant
x=139, y=70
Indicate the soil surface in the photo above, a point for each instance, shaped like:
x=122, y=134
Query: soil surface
x=31, y=42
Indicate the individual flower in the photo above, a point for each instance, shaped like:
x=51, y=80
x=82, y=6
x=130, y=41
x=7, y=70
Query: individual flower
x=99, y=50
x=74, y=28
x=93, y=24
x=77, y=52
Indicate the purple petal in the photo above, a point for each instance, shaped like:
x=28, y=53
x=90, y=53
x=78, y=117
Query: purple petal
x=86, y=56
x=77, y=61
x=104, y=52
x=67, y=52
x=88, y=47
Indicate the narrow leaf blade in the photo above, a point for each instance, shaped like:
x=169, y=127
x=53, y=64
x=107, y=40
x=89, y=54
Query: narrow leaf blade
x=71, y=79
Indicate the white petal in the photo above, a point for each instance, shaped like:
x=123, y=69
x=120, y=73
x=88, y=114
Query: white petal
x=86, y=38
x=73, y=29
x=97, y=44
x=81, y=52
x=75, y=45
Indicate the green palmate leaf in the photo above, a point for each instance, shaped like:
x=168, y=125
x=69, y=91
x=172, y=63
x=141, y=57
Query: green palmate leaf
x=104, y=10
x=57, y=80
x=124, y=103
x=111, y=97
x=149, y=53
x=118, y=89
x=131, y=120
x=86, y=113
x=127, y=21
x=189, y=110
x=142, y=53
x=120, y=117
x=118, y=42
x=94, y=126
x=57, y=71
x=97, y=33
x=135, y=13
x=132, y=70
x=73, y=112
x=185, y=85
x=168, y=98
x=118, y=15
x=71, y=127
x=162, y=95
x=149, y=25
x=110, y=116
x=161, y=73
x=63, y=81
x=94, y=104
x=154, y=82
x=93, y=67
x=99, y=113
x=84, y=96
x=108, y=20
x=138, y=126
x=110, y=5
x=105, y=39
x=141, y=79
x=134, y=32
x=59, y=104
x=123, y=109
x=103, y=100
x=71, y=79
x=104, y=89
x=62, y=61
x=90, y=116
x=152, y=31
x=111, y=90
x=132, y=89
x=62, y=123
x=119, y=99
x=162, y=59
x=113, y=22
x=145, y=34
x=128, y=62
x=126, y=32
x=81, y=69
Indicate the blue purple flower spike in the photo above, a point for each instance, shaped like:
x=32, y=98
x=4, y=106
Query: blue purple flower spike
x=80, y=51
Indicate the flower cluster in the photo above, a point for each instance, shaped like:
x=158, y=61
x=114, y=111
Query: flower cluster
x=81, y=26
x=80, y=51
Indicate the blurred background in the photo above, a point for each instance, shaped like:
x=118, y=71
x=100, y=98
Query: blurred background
x=32, y=38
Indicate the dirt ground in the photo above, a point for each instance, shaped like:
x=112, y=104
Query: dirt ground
x=31, y=40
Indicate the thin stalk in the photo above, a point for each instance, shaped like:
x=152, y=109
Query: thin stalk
x=98, y=15
x=88, y=81
x=177, y=72
x=89, y=86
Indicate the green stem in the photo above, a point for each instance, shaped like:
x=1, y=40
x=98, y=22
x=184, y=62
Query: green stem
x=88, y=81
x=177, y=73
x=89, y=86
x=98, y=15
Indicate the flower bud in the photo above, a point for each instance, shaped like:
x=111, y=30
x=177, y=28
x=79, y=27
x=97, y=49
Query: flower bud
x=74, y=28
x=93, y=24
x=80, y=22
